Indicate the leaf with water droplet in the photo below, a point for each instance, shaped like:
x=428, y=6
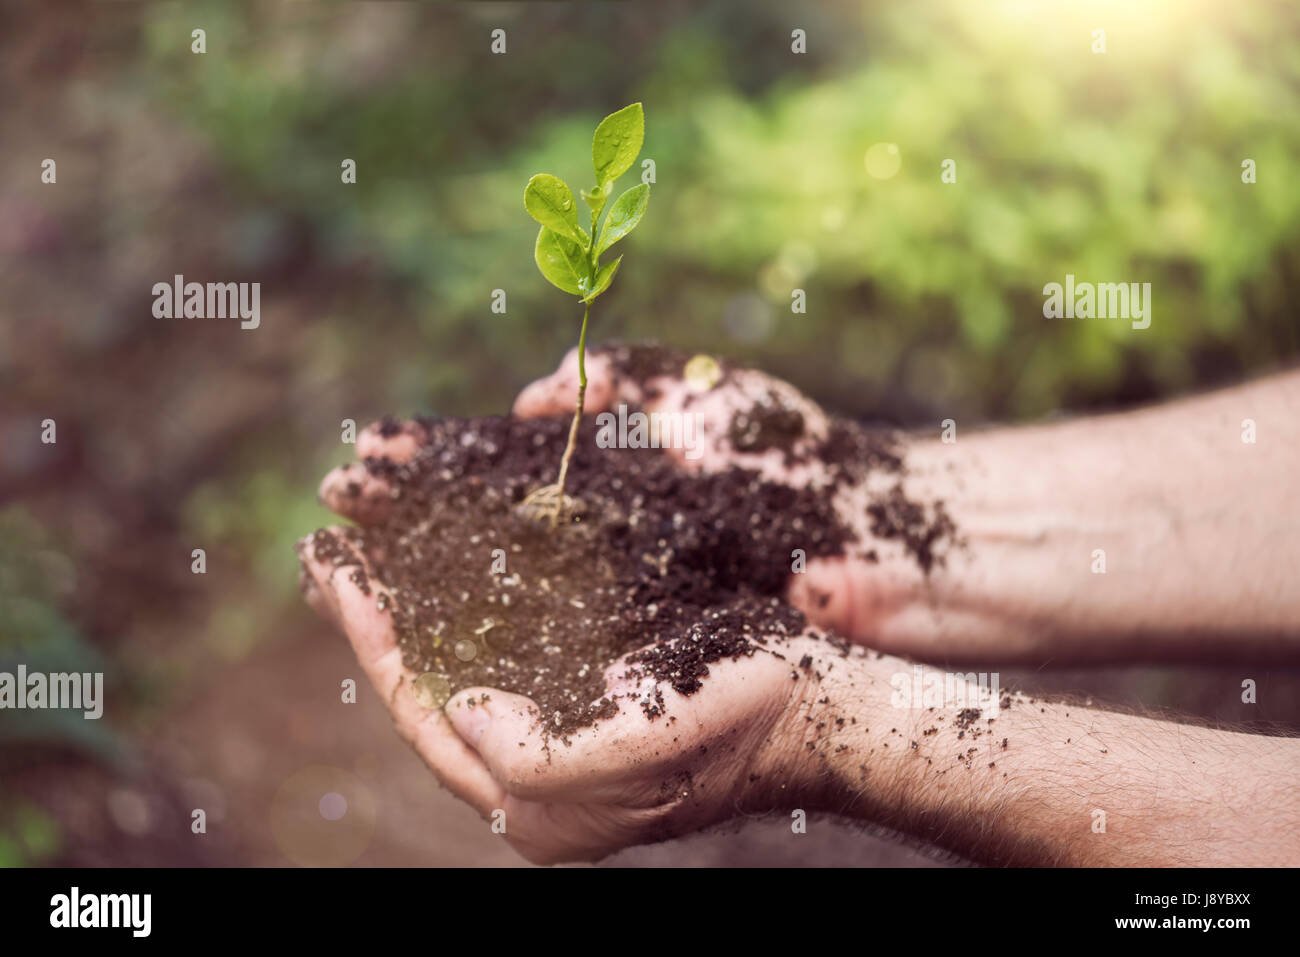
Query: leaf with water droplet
x=562, y=262
x=549, y=200
x=617, y=142
x=623, y=216
x=597, y=197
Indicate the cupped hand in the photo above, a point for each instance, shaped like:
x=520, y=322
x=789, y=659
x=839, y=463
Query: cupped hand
x=735, y=746
x=847, y=594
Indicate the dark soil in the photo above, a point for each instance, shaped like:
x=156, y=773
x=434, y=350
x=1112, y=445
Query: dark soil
x=768, y=424
x=675, y=571
x=924, y=532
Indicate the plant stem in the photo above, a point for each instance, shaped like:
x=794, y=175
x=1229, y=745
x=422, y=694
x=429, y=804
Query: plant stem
x=577, y=416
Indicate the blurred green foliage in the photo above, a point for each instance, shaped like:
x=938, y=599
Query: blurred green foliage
x=28, y=836
x=35, y=578
x=923, y=296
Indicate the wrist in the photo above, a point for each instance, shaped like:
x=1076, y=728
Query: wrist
x=1011, y=578
x=876, y=738
x=839, y=743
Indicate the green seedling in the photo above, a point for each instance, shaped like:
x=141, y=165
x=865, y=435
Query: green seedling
x=569, y=256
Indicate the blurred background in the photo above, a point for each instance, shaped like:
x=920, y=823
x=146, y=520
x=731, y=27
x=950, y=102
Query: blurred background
x=774, y=170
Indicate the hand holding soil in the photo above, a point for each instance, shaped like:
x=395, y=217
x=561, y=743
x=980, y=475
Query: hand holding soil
x=636, y=672
x=1027, y=508
x=751, y=421
x=654, y=621
x=622, y=781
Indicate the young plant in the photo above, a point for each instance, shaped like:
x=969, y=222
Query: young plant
x=569, y=255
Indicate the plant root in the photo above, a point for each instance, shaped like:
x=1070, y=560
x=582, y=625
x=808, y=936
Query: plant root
x=549, y=502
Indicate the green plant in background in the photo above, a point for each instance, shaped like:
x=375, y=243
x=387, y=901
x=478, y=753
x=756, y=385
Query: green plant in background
x=36, y=579
x=569, y=256
x=927, y=295
x=29, y=836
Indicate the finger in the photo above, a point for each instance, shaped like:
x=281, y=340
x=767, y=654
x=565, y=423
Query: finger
x=572, y=799
x=352, y=492
x=621, y=758
x=315, y=599
x=555, y=394
x=591, y=765
x=393, y=440
x=853, y=596
x=822, y=592
x=354, y=594
x=758, y=422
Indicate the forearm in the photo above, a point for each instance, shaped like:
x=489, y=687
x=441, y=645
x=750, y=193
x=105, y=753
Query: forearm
x=1042, y=783
x=1157, y=534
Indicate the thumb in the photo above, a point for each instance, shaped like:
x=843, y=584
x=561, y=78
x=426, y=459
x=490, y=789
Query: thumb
x=503, y=729
x=507, y=732
x=556, y=393
x=826, y=593
x=861, y=599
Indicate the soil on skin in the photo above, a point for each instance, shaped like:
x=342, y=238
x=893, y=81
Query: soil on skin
x=768, y=424
x=673, y=570
x=918, y=528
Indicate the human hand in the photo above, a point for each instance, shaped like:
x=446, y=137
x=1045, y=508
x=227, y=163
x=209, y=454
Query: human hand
x=1003, y=502
x=1028, y=505
x=848, y=594
x=735, y=746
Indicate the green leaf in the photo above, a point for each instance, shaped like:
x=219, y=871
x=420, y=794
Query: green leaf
x=561, y=261
x=617, y=142
x=623, y=216
x=604, y=276
x=549, y=200
x=596, y=198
